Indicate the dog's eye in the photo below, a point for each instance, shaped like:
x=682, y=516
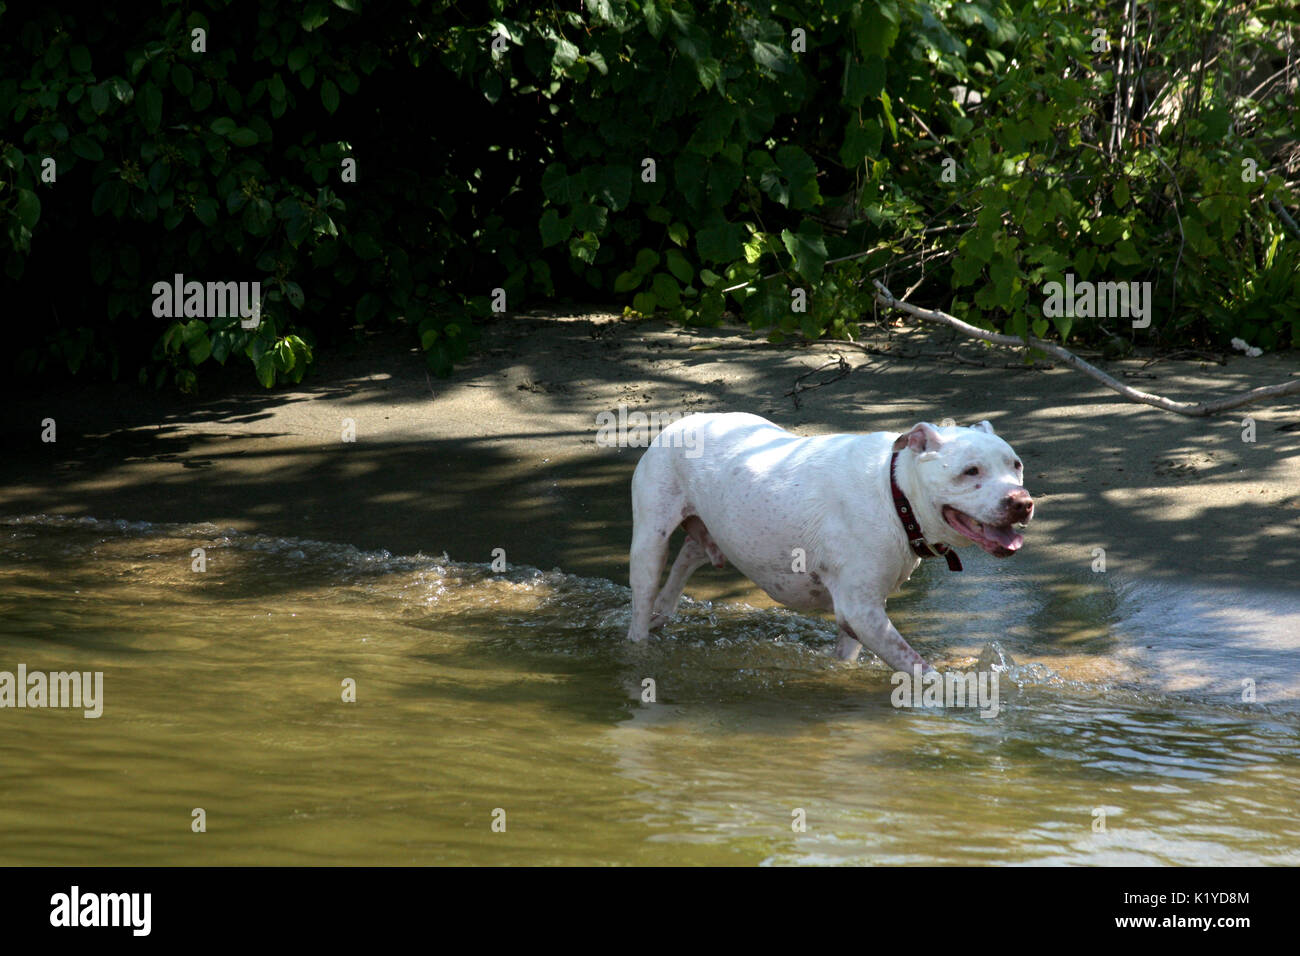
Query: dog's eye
x=972, y=470
x=1019, y=466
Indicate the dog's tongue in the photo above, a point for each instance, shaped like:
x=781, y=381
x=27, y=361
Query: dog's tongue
x=1007, y=536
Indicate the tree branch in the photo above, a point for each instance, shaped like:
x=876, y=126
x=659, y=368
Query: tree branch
x=1193, y=409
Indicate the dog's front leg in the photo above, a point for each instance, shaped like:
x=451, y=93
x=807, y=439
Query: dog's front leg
x=870, y=626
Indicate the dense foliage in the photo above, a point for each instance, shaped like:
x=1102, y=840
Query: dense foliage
x=424, y=163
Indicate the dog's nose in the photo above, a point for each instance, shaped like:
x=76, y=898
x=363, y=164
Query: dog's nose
x=1018, y=506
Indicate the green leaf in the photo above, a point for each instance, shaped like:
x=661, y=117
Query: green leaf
x=366, y=246
x=121, y=89
x=149, y=106
x=627, y=281
x=590, y=217
x=864, y=81
x=192, y=331
x=293, y=291
x=808, y=247
x=222, y=345
x=862, y=141
x=564, y=55
x=709, y=71
x=284, y=357
x=679, y=267
x=243, y=137
x=556, y=185
x=329, y=95
x=793, y=182
x=265, y=368
x=889, y=116
x=877, y=27
x=1084, y=258
x=79, y=57
x=613, y=186
x=369, y=307
x=199, y=350
x=666, y=290
x=554, y=228
x=28, y=208
x=723, y=242
x=182, y=79
x=86, y=148
x=205, y=210
x=768, y=46
x=316, y=16
x=584, y=247
x=647, y=260
x=297, y=58
x=1126, y=253
x=1216, y=119
x=645, y=303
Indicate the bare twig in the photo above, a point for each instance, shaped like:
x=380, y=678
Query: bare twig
x=1193, y=409
x=842, y=368
x=1186, y=354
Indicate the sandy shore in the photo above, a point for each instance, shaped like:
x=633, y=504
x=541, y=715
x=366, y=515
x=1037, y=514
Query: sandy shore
x=504, y=453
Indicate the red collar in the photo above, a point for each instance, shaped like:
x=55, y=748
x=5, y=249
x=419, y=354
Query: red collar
x=915, y=536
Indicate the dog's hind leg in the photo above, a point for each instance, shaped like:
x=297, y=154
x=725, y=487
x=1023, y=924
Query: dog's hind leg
x=690, y=558
x=649, y=551
x=847, y=648
x=656, y=512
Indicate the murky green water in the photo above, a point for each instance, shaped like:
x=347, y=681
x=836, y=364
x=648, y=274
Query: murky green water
x=478, y=691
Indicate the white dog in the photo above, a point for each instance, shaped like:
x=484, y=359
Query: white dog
x=832, y=523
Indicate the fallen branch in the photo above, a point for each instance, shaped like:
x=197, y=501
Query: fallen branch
x=1193, y=409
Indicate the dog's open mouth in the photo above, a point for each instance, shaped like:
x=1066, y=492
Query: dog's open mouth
x=1001, y=541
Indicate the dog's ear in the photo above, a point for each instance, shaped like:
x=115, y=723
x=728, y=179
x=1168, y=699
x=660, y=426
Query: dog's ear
x=922, y=437
x=984, y=427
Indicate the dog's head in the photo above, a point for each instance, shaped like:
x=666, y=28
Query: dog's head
x=967, y=484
